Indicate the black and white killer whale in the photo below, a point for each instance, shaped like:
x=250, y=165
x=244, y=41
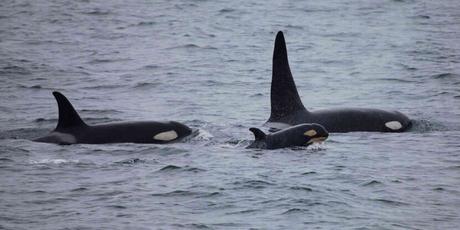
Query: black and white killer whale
x=287, y=108
x=71, y=129
x=299, y=135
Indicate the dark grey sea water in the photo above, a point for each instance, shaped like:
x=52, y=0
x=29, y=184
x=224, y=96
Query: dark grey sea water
x=208, y=64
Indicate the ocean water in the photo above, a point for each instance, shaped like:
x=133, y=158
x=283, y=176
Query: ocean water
x=208, y=64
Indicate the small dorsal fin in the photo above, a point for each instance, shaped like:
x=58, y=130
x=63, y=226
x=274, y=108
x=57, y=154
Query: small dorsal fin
x=285, y=99
x=68, y=117
x=258, y=134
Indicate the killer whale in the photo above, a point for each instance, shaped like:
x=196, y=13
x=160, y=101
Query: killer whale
x=299, y=135
x=71, y=129
x=287, y=108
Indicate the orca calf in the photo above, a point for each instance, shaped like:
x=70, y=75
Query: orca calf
x=71, y=129
x=299, y=135
x=287, y=108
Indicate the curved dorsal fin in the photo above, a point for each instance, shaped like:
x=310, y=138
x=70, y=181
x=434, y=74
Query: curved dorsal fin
x=284, y=97
x=258, y=134
x=68, y=117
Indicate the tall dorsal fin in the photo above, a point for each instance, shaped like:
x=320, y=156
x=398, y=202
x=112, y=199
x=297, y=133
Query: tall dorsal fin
x=258, y=134
x=68, y=117
x=284, y=97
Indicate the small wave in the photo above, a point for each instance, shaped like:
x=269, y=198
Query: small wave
x=338, y=167
x=198, y=226
x=192, y=226
x=147, y=85
x=151, y=66
x=257, y=95
x=307, y=202
x=97, y=12
x=390, y=202
x=47, y=42
x=445, y=76
x=243, y=211
x=117, y=206
x=55, y=161
x=131, y=161
x=421, y=17
x=208, y=47
x=319, y=10
x=49, y=201
x=103, y=61
x=454, y=167
x=294, y=211
x=295, y=27
x=209, y=194
x=442, y=93
x=226, y=10
x=339, y=35
x=193, y=169
x=26, y=133
x=253, y=184
x=31, y=87
x=407, y=67
x=176, y=193
x=13, y=69
x=213, y=83
x=183, y=6
x=170, y=168
x=192, y=46
x=103, y=87
x=150, y=23
x=187, y=46
x=3, y=159
x=398, y=80
x=80, y=189
x=309, y=173
x=48, y=163
x=372, y=183
x=172, y=150
x=174, y=168
x=301, y=188
x=38, y=192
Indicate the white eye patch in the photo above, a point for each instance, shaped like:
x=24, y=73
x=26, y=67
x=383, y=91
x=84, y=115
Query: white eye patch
x=166, y=136
x=310, y=133
x=393, y=125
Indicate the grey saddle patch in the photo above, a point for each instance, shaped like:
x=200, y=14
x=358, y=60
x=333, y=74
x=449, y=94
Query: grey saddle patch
x=63, y=138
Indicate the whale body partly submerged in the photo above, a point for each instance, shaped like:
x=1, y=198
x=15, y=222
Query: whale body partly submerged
x=287, y=108
x=71, y=129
